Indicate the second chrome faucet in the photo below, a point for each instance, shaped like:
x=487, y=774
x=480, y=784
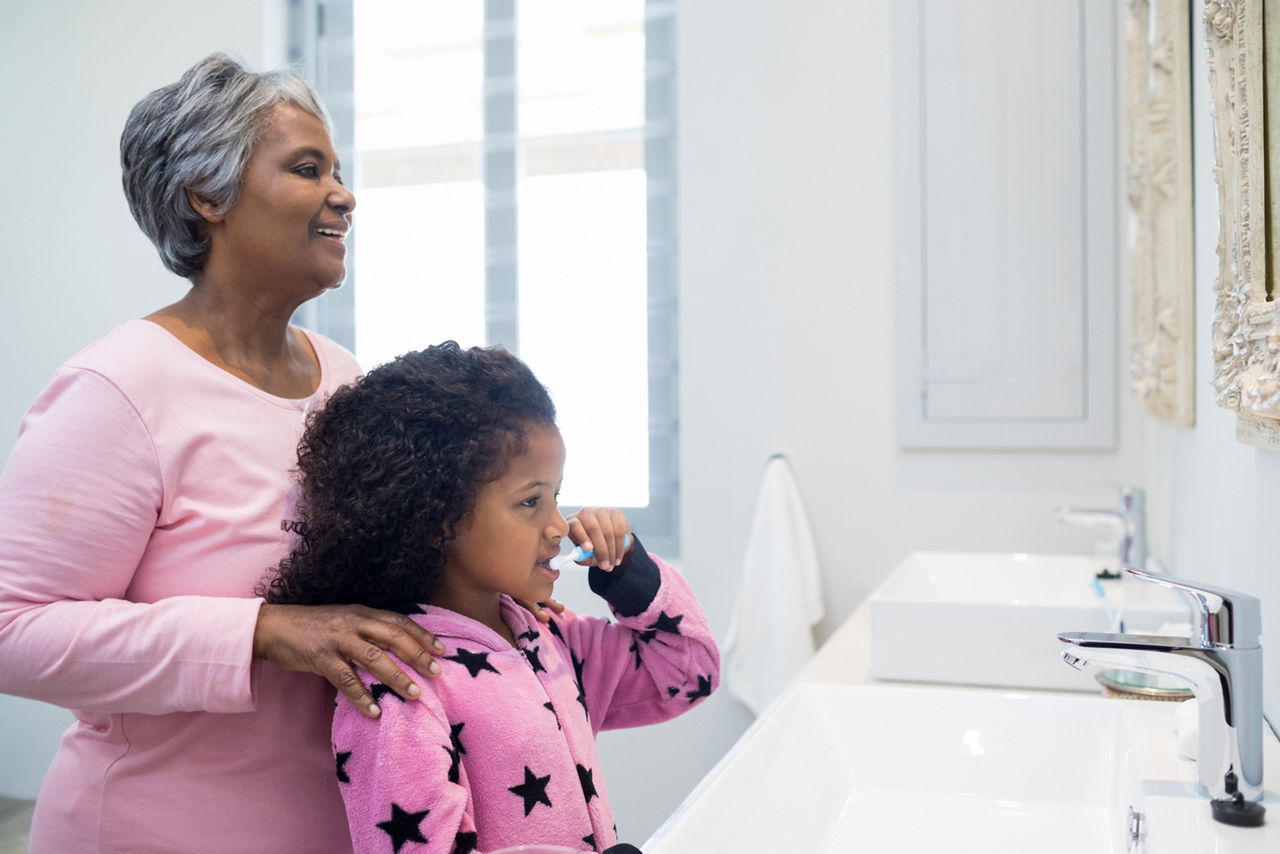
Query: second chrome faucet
x=1127, y=520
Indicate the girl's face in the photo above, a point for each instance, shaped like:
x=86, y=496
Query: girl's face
x=512, y=534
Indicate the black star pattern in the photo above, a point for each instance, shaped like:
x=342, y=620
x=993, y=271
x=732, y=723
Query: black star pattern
x=473, y=661
x=672, y=690
x=549, y=705
x=588, y=785
x=455, y=751
x=667, y=624
x=378, y=690
x=703, y=690
x=532, y=654
x=646, y=636
x=342, y=766
x=533, y=790
x=403, y=826
x=555, y=629
x=577, y=675
x=531, y=635
x=635, y=650
x=590, y=839
x=465, y=843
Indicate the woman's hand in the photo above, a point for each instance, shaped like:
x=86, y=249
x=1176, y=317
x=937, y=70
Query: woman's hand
x=602, y=530
x=541, y=610
x=333, y=640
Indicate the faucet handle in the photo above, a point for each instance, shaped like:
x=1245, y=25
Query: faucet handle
x=1224, y=617
x=1130, y=496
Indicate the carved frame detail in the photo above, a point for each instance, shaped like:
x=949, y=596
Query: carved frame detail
x=1162, y=357
x=1246, y=325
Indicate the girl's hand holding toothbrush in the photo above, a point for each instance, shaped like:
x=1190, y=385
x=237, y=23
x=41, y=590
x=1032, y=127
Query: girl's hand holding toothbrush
x=603, y=535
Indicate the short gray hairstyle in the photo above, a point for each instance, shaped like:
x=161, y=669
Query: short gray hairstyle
x=197, y=134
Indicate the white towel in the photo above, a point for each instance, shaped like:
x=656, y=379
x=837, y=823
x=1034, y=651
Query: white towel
x=779, y=596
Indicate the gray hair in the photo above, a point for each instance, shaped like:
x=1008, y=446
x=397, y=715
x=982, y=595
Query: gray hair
x=197, y=134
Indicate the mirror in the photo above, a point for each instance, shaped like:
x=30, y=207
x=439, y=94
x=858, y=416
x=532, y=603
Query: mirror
x=1246, y=323
x=1162, y=358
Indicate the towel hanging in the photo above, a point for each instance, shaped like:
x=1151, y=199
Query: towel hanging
x=779, y=597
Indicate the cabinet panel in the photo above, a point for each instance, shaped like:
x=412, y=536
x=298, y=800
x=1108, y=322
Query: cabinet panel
x=1005, y=263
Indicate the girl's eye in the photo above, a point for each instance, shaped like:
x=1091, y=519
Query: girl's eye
x=530, y=502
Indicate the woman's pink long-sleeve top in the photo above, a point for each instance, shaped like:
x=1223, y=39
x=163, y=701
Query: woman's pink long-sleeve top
x=139, y=508
x=501, y=749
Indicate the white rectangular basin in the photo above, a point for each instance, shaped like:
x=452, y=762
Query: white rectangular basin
x=839, y=768
x=993, y=619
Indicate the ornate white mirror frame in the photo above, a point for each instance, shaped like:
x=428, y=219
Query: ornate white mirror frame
x=1246, y=323
x=1162, y=358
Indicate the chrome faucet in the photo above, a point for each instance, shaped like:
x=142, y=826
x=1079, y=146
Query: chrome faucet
x=1222, y=662
x=1128, y=520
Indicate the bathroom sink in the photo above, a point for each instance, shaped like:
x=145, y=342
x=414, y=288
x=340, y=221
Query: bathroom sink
x=830, y=769
x=837, y=768
x=993, y=619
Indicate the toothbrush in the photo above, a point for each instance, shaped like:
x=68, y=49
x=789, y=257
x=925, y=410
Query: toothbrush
x=578, y=555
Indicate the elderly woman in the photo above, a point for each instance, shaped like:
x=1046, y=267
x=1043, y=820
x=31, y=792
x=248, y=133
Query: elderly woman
x=143, y=502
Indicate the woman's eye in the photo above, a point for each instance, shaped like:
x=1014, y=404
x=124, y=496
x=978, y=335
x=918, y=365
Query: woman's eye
x=308, y=171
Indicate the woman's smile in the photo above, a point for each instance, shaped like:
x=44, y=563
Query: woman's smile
x=336, y=234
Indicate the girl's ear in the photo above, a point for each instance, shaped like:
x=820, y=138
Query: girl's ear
x=208, y=210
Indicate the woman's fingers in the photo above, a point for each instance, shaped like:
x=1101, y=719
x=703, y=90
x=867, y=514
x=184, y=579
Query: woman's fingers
x=410, y=643
x=541, y=610
x=335, y=641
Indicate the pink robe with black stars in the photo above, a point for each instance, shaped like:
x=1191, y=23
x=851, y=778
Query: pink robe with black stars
x=500, y=750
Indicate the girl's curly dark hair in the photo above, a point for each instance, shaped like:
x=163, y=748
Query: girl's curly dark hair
x=391, y=466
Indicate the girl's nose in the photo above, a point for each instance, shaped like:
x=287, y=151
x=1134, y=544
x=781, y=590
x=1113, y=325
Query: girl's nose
x=558, y=528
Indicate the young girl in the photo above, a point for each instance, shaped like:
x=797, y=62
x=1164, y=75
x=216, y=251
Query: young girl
x=429, y=487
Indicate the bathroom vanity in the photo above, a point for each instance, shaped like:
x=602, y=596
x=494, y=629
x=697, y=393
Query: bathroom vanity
x=845, y=761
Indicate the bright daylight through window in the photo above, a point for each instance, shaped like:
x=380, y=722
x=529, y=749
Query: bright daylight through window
x=514, y=166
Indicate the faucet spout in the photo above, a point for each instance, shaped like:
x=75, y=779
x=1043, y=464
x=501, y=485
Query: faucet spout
x=1128, y=521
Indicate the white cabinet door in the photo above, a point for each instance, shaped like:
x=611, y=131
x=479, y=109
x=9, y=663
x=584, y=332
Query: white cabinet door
x=1005, y=216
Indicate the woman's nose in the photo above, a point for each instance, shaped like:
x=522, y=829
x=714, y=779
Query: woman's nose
x=342, y=199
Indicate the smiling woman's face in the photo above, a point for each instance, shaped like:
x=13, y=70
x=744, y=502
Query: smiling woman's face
x=293, y=213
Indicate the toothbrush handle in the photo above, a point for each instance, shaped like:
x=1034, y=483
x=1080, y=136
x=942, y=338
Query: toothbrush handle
x=578, y=555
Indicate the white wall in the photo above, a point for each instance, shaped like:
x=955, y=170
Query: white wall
x=75, y=264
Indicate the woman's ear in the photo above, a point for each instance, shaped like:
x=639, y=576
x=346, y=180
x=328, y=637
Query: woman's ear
x=208, y=210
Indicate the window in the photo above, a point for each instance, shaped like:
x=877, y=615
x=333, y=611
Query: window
x=515, y=173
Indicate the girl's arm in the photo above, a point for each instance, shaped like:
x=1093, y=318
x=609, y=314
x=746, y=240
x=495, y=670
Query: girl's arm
x=401, y=778
x=657, y=661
